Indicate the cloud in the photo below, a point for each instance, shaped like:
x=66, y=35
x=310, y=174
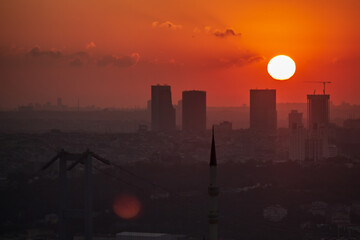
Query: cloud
x=76, y=63
x=238, y=61
x=55, y=58
x=226, y=33
x=207, y=28
x=81, y=54
x=90, y=45
x=166, y=25
x=36, y=52
x=22, y=57
x=122, y=61
x=256, y=59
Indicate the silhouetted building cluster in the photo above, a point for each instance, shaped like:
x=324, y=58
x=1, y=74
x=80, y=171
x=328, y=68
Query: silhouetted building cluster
x=58, y=107
x=190, y=111
x=312, y=144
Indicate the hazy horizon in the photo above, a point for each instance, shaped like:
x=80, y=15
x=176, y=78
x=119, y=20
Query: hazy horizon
x=144, y=107
x=85, y=155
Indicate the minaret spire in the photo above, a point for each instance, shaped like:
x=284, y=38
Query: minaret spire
x=213, y=193
x=213, y=152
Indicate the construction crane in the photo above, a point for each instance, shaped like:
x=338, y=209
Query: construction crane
x=323, y=82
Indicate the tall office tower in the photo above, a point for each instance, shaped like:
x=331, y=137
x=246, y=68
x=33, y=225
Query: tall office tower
x=162, y=110
x=317, y=146
x=194, y=111
x=213, y=192
x=297, y=136
x=263, y=115
x=318, y=112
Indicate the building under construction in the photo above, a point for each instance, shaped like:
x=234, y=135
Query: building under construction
x=317, y=146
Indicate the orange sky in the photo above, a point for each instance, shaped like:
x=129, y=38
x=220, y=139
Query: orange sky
x=110, y=52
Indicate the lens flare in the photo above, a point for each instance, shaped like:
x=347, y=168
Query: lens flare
x=127, y=206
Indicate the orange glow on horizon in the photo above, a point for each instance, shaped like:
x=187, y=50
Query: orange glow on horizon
x=110, y=53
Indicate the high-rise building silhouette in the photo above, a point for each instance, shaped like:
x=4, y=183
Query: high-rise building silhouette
x=162, y=110
x=297, y=136
x=318, y=111
x=317, y=146
x=194, y=111
x=263, y=116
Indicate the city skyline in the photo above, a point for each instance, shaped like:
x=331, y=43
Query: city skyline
x=114, y=51
x=53, y=103
x=110, y=110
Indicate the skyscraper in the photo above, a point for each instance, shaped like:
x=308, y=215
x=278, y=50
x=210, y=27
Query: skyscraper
x=194, y=111
x=263, y=116
x=317, y=146
x=162, y=110
x=297, y=136
x=318, y=111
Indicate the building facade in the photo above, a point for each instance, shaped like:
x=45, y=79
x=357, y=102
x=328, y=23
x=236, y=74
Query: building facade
x=194, y=111
x=317, y=145
x=263, y=115
x=162, y=110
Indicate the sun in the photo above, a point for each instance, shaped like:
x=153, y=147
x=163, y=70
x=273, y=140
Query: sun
x=281, y=67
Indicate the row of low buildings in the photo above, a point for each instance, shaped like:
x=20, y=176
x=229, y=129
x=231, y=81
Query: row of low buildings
x=304, y=143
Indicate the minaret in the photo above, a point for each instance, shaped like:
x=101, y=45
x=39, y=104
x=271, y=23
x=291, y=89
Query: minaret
x=213, y=194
